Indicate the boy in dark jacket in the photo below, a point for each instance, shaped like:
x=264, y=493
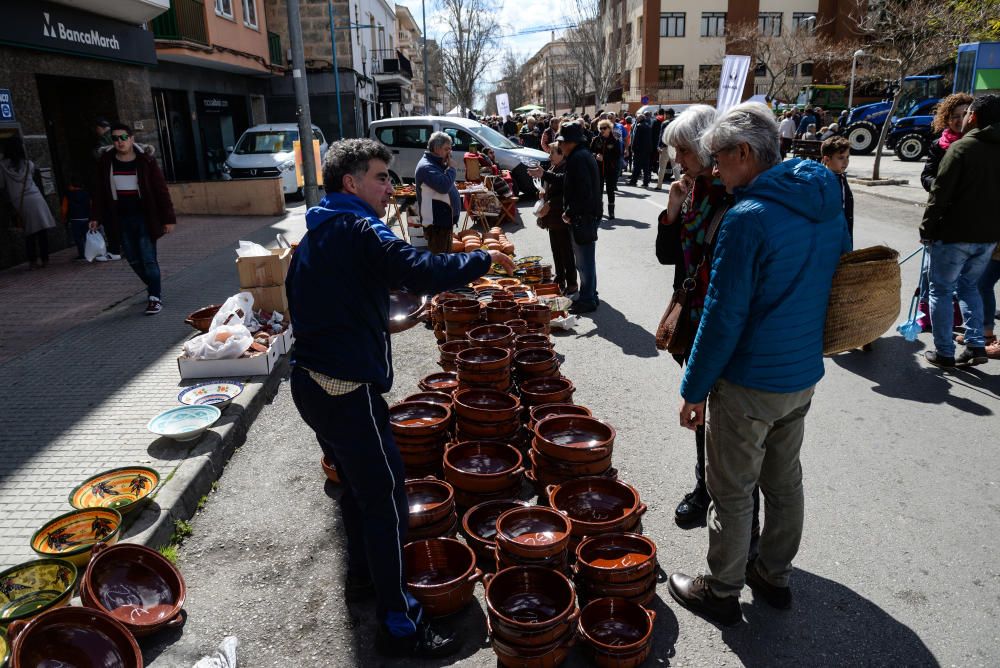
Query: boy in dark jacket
x=338, y=294
x=835, y=155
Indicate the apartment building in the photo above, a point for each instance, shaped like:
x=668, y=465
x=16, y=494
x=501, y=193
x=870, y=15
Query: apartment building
x=410, y=49
x=545, y=76
x=440, y=99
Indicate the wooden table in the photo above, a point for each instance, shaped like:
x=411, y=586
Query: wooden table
x=394, y=213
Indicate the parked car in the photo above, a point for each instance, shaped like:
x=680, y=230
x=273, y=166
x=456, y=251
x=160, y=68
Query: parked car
x=267, y=151
x=407, y=138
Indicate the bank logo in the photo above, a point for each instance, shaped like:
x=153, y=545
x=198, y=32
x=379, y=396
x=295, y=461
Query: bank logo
x=89, y=37
x=47, y=29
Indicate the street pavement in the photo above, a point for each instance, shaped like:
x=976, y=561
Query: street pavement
x=898, y=561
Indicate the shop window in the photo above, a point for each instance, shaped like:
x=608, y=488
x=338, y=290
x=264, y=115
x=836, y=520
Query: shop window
x=769, y=24
x=804, y=21
x=224, y=8
x=250, y=13
x=672, y=24
x=671, y=76
x=713, y=24
x=806, y=69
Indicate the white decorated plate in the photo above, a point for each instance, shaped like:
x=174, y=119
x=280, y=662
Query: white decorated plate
x=184, y=423
x=217, y=393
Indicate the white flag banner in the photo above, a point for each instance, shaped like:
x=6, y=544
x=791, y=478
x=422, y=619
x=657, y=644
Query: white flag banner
x=503, y=105
x=734, y=77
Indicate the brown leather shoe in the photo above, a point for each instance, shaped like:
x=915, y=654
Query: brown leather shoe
x=776, y=597
x=694, y=594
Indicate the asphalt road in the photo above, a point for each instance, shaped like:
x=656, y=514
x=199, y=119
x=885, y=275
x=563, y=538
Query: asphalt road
x=898, y=564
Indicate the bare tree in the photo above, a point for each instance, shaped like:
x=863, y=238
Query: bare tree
x=570, y=80
x=469, y=47
x=512, y=79
x=601, y=55
x=705, y=87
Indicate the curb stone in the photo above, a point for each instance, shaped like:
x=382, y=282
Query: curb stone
x=204, y=462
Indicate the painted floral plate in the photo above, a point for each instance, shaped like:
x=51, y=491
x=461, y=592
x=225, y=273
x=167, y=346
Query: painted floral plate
x=216, y=393
x=31, y=588
x=184, y=423
x=72, y=536
x=122, y=489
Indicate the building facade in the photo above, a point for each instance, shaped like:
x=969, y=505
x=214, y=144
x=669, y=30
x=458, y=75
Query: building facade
x=545, y=76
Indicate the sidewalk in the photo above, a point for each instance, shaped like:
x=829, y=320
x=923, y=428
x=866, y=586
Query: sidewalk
x=890, y=168
x=84, y=371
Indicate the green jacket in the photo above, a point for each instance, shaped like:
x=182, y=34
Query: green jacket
x=964, y=206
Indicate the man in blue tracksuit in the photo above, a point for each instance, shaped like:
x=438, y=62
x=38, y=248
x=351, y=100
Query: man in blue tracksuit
x=338, y=294
x=758, y=355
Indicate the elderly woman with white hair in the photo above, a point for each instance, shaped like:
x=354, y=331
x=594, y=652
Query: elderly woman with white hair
x=758, y=355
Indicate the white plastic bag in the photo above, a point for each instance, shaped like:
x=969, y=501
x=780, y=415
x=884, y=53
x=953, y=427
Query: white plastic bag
x=219, y=343
x=250, y=249
x=236, y=309
x=224, y=657
x=95, y=246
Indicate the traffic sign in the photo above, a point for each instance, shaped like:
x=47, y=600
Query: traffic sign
x=645, y=99
x=6, y=106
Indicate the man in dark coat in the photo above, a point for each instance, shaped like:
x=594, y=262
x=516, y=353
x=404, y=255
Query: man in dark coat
x=642, y=146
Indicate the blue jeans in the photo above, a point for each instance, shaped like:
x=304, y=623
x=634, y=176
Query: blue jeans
x=955, y=269
x=586, y=266
x=987, y=282
x=140, y=251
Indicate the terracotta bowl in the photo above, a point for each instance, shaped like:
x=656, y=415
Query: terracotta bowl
x=465, y=500
x=330, y=470
x=135, y=585
x=430, y=501
x=545, y=410
x=450, y=349
x=123, y=489
x=597, y=505
x=479, y=524
x=535, y=532
x=537, y=313
x=615, y=558
x=445, y=528
x=534, y=360
x=530, y=602
x=433, y=397
x=485, y=406
x=460, y=310
x=618, y=633
x=441, y=573
x=470, y=430
x=501, y=312
x=445, y=381
x=72, y=536
x=519, y=326
x=526, y=341
x=558, y=562
x=564, y=469
x=536, y=391
x=590, y=590
x=202, y=318
x=79, y=637
x=482, y=359
x=31, y=588
x=515, y=655
x=482, y=466
x=494, y=379
x=508, y=282
x=419, y=418
x=645, y=599
x=496, y=336
x=574, y=438
x=537, y=328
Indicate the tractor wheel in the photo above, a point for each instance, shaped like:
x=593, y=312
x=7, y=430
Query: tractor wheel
x=911, y=147
x=863, y=136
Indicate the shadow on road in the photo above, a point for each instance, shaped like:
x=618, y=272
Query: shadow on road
x=613, y=326
x=829, y=625
x=623, y=222
x=893, y=367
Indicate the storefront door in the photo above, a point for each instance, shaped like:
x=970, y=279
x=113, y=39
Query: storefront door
x=222, y=119
x=173, y=120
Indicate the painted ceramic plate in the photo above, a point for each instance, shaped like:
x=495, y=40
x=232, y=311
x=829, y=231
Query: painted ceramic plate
x=216, y=393
x=184, y=423
x=73, y=535
x=121, y=489
x=4, y=649
x=33, y=587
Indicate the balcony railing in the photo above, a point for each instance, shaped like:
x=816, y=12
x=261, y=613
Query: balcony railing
x=274, y=49
x=391, y=61
x=185, y=20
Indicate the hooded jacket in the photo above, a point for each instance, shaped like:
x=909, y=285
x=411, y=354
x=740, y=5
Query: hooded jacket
x=157, y=208
x=338, y=288
x=438, y=200
x=775, y=254
x=965, y=196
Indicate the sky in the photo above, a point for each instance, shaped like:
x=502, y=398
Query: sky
x=512, y=18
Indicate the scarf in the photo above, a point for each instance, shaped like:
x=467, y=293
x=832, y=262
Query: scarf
x=705, y=199
x=947, y=138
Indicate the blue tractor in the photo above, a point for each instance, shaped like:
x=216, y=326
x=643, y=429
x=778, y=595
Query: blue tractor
x=864, y=123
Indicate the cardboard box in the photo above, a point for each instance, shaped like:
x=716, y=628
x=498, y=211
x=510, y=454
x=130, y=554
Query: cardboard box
x=284, y=341
x=271, y=298
x=265, y=270
x=258, y=365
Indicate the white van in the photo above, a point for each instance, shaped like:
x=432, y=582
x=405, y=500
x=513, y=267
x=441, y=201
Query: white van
x=267, y=151
x=407, y=139
x=653, y=108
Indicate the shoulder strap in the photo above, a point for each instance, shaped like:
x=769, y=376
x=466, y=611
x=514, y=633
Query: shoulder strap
x=713, y=226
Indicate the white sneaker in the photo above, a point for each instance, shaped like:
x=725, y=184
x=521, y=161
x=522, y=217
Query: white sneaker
x=112, y=256
x=101, y=258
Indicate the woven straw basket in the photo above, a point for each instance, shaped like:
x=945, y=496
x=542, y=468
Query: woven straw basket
x=864, y=299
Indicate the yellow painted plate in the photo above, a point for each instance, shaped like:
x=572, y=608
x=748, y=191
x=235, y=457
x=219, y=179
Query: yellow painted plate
x=28, y=589
x=121, y=489
x=72, y=536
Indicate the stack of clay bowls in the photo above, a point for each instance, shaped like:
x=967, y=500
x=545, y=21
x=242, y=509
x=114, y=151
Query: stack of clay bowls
x=492, y=336
x=538, y=413
x=484, y=368
x=449, y=351
x=533, y=536
x=620, y=565
x=420, y=429
x=482, y=413
x=528, y=340
x=442, y=398
x=483, y=470
x=479, y=526
x=459, y=316
x=546, y=390
x=446, y=382
x=618, y=633
x=531, y=616
x=597, y=506
x=519, y=326
x=441, y=573
x=435, y=313
x=537, y=314
x=499, y=312
x=570, y=446
x=431, y=509
x=534, y=363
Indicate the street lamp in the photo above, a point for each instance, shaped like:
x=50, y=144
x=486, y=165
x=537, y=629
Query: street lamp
x=854, y=65
x=336, y=71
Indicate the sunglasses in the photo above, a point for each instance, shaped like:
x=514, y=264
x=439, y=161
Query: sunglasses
x=122, y=137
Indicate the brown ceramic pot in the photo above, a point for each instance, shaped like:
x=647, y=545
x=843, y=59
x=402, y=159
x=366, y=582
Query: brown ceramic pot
x=515, y=655
x=525, y=341
x=556, y=467
x=541, y=479
x=479, y=524
x=558, y=562
x=419, y=418
x=429, y=501
x=529, y=601
x=615, y=558
x=534, y=361
x=535, y=532
x=481, y=359
x=500, y=377
x=623, y=589
x=439, y=382
x=501, y=312
x=618, y=633
x=460, y=310
x=71, y=636
x=441, y=573
x=574, y=438
x=517, y=325
x=597, y=505
x=445, y=528
x=115, y=577
x=482, y=466
x=486, y=406
x=545, y=410
x=422, y=456
x=470, y=430
x=537, y=328
x=449, y=350
x=433, y=397
x=537, y=313
x=330, y=470
x=537, y=391
x=492, y=336
x=464, y=500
